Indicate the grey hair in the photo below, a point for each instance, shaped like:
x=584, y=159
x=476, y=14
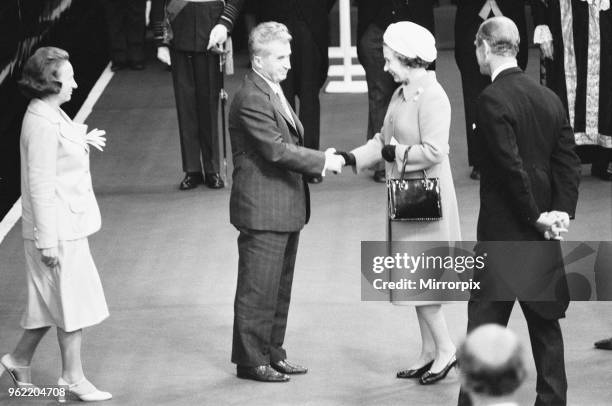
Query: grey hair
x=265, y=33
x=501, y=34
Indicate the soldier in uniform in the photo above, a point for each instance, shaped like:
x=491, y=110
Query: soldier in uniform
x=198, y=30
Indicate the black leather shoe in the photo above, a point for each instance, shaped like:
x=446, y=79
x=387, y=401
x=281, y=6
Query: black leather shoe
x=604, y=344
x=475, y=174
x=191, y=180
x=414, y=373
x=432, y=377
x=379, y=176
x=314, y=179
x=286, y=367
x=137, y=66
x=214, y=181
x=262, y=373
x=601, y=172
x=115, y=66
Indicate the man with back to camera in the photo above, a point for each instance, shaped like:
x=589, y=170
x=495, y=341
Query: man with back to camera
x=491, y=366
x=528, y=192
x=269, y=205
x=470, y=14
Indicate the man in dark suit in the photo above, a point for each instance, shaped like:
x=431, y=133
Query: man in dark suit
x=269, y=205
x=528, y=192
x=470, y=14
x=373, y=18
x=198, y=29
x=308, y=24
x=125, y=20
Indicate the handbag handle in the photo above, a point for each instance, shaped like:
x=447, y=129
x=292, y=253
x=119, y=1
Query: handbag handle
x=405, y=162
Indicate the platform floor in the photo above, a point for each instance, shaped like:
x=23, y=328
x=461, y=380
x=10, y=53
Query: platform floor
x=168, y=263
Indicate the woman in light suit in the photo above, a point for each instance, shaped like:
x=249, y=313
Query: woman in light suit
x=417, y=121
x=59, y=213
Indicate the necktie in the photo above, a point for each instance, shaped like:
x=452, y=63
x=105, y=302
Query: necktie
x=490, y=6
x=285, y=105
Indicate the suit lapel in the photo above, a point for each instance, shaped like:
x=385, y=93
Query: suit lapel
x=278, y=105
x=274, y=99
x=71, y=131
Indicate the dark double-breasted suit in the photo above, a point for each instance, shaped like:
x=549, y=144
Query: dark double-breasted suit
x=467, y=21
x=269, y=205
x=196, y=75
x=528, y=167
x=308, y=24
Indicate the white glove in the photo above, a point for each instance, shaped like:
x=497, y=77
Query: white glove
x=547, y=49
x=218, y=35
x=333, y=162
x=163, y=54
x=96, y=138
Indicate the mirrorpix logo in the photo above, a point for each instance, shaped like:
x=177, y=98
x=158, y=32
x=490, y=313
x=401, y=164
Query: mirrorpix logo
x=431, y=271
x=441, y=271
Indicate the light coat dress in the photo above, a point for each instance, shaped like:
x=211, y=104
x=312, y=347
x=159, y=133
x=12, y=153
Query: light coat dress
x=418, y=117
x=59, y=210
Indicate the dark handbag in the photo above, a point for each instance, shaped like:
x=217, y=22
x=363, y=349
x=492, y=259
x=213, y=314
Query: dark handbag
x=414, y=199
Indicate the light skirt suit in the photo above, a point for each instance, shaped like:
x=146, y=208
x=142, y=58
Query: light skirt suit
x=59, y=210
x=418, y=117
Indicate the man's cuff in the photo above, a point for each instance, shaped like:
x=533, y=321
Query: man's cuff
x=43, y=241
x=227, y=23
x=542, y=34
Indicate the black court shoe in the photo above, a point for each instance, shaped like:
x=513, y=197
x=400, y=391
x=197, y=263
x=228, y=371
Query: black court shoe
x=432, y=377
x=414, y=373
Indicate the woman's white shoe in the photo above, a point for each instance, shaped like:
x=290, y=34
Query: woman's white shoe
x=84, y=391
x=11, y=369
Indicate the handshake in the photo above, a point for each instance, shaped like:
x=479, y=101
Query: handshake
x=553, y=224
x=335, y=160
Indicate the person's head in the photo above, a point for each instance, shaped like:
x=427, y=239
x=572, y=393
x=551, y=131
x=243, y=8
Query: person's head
x=270, y=50
x=48, y=74
x=491, y=362
x=497, y=41
x=407, y=47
